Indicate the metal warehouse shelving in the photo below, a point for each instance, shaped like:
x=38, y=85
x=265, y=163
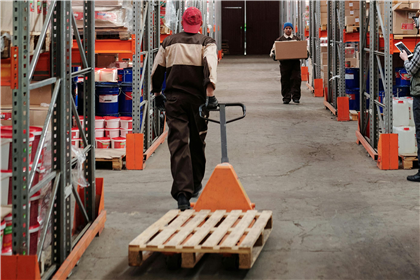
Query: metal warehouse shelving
x=380, y=124
x=314, y=38
x=336, y=55
x=59, y=117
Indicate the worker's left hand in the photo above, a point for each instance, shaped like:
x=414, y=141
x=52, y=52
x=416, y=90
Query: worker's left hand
x=160, y=101
x=404, y=56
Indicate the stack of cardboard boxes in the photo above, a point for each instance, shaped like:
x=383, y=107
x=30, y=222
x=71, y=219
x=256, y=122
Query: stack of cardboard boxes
x=352, y=15
x=402, y=13
x=324, y=15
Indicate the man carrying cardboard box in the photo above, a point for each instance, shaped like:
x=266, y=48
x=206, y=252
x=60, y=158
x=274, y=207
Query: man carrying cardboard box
x=289, y=67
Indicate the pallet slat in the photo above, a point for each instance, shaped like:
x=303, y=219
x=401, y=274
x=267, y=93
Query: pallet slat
x=170, y=229
x=256, y=230
x=202, y=232
x=197, y=220
x=220, y=232
x=239, y=229
x=153, y=229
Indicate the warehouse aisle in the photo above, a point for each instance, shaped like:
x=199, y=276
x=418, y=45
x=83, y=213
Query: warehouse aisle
x=335, y=214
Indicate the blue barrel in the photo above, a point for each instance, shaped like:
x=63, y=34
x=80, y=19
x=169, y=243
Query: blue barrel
x=120, y=73
x=352, y=78
x=381, y=96
x=354, y=99
x=402, y=78
x=107, y=99
x=128, y=75
x=400, y=91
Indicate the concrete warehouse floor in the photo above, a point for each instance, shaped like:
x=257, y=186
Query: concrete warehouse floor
x=335, y=214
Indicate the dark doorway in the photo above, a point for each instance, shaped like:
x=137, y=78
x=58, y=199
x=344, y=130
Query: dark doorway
x=262, y=26
x=233, y=20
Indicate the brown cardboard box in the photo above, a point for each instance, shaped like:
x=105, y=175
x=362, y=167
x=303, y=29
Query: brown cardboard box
x=291, y=50
x=324, y=59
x=324, y=49
x=403, y=23
x=352, y=62
x=324, y=9
x=38, y=96
x=350, y=20
x=352, y=5
x=354, y=13
x=415, y=5
x=103, y=60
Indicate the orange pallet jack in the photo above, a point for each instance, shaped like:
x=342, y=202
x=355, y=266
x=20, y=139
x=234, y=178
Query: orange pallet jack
x=222, y=221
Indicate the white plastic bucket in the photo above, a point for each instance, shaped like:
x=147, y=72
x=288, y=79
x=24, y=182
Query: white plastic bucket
x=6, y=138
x=409, y=101
x=99, y=122
x=103, y=143
x=112, y=132
x=400, y=113
x=125, y=131
x=5, y=186
x=99, y=132
x=112, y=122
x=75, y=132
x=406, y=139
x=126, y=122
x=118, y=143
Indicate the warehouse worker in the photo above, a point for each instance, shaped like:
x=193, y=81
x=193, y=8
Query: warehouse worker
x=413, y=68
x=289, y=69
x=190, y=62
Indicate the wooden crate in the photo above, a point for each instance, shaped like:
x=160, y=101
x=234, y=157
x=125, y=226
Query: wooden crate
x=407, y=160
x=114, y=156
x=192, y=234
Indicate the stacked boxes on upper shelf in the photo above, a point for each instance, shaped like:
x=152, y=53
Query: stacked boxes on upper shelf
x=351, y=55
x=324, y=64
x=402, y=13
x=324, y=15
x=352, y=15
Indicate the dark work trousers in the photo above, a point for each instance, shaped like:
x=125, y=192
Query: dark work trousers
x=290, y=79
x=416, y=114
x=187, y=132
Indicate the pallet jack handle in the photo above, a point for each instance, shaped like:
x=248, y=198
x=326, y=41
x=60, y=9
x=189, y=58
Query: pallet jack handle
x=222, y=109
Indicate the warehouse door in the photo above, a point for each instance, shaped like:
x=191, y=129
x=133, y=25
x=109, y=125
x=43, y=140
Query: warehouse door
x=262, y=26
x=233, y=19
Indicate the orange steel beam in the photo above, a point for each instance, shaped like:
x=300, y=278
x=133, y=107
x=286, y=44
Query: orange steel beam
x=330, y=107
x=155, y=145
x=111, y=46
x=367, y=146
x=81, y=247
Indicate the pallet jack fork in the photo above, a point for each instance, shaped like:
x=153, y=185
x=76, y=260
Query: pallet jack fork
x=223, y=191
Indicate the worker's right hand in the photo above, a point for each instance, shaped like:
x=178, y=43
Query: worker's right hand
x=160, y=101
x=211, y=102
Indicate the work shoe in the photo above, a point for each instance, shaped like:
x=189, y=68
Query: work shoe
x=197, y=190
x=183, y=202
x=414, y=178
x=286, y=101
x=296, y=101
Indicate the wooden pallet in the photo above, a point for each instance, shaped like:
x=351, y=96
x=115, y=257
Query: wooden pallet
x=407, y=160
x=192, y=234
x=353, y=115
x=115, y=156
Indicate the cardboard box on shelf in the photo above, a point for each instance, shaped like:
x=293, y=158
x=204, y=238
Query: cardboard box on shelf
x=324, y=20
x=324, y=58
x=286, y=50
x=324, y=49
x=354, y=13
x=351, y=63
x=415, y=5
x=349, y=20
x=403, y=23
x=352, y=5
x=36, y=17
x=104, y=60
x=324, y=9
